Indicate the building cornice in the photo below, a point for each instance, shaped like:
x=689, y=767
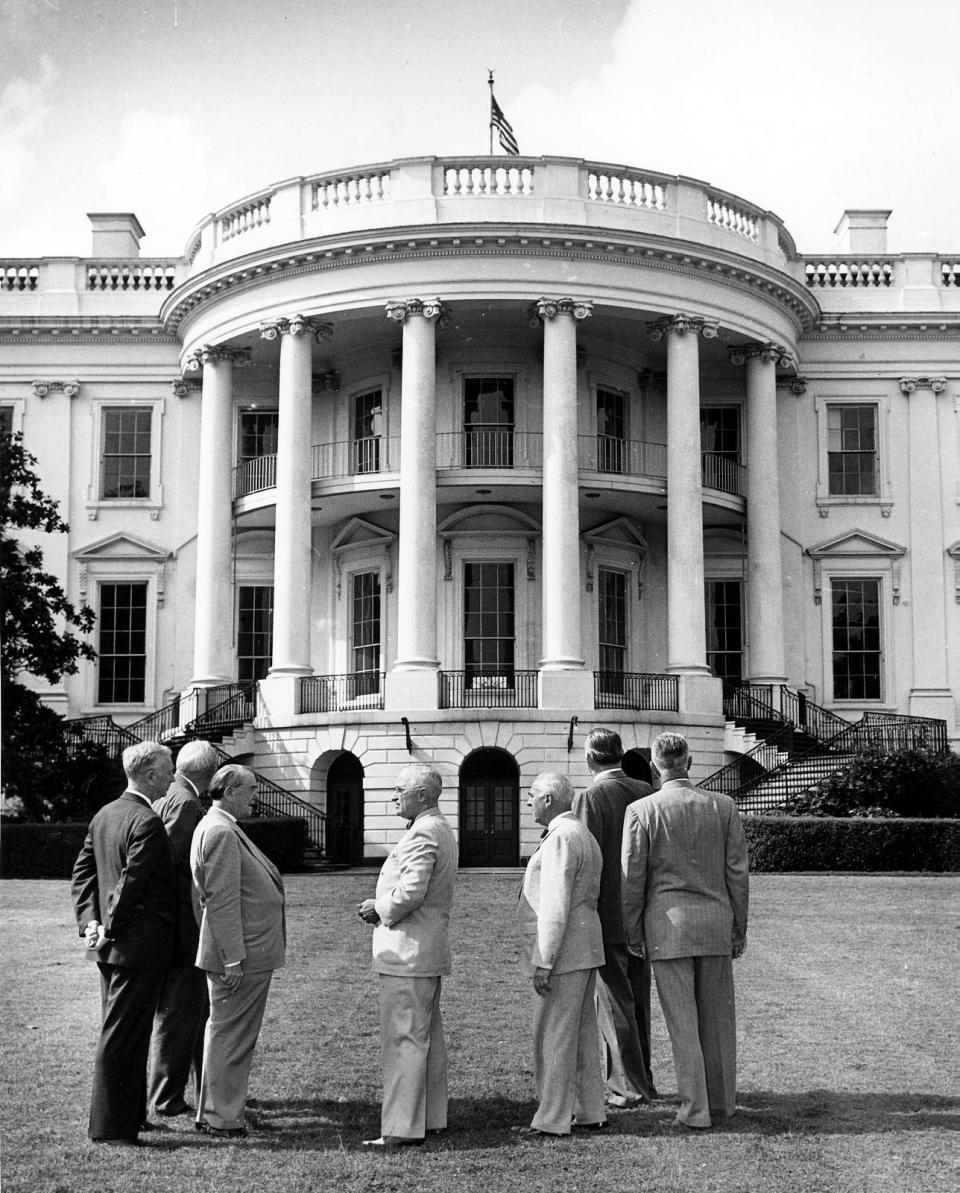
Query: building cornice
x=886, y=325
x=471, y=241
x=62, y=329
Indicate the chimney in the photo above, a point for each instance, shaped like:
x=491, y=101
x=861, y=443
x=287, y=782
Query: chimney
x=116, y=234
x=862, y=231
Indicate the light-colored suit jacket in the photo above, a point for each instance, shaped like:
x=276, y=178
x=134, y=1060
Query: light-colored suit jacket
x=559, y=925
x=685, y=881
x=241, y=898
x=413, y=900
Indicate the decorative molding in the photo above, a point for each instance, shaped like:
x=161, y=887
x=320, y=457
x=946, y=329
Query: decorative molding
x=954, y=552
x=681, y=324
x=531, y=559
x=769, y=353
x=339, y=562
x=447, y=559
x=69, y=388
x=206, y=354
x=183, y=386
x=430, y=308
x=388, y=576
x=549, y=308
x=910, y=384
x=796, y=385
x=856, y=544
x=296, y=325
x=588, y=569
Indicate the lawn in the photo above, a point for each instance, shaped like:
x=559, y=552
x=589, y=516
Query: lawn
x=848, y=1080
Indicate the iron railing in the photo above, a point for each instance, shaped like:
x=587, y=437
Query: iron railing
x=101, y=731
x=229, y=706
x=155, y=725
x=356, y=457
x=491, y=447
x=253, y=476
x=749, y=702
x=754, y=764
x=811, y=718
x=720, y=472
x=330, y=693
x=475, y=689
x=625, y=457
x=636, y=689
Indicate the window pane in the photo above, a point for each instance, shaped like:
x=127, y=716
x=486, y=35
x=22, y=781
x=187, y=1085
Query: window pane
x=852, y=450
x=855, y=610
x=254, y=631
x=258, y=434
x=612, y=620
x=720, y=431
x=724, y=600
x=122, y=659
x=488, y=646
x=488, y=422
x=366, y=623
x=126, y=452
x=367, y=429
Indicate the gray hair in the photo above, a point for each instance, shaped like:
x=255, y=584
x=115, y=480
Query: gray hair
x=140, y=757
x=226, y=777
x=426, y=777
x=558, y=786
x=198, y=758
x=670, y=751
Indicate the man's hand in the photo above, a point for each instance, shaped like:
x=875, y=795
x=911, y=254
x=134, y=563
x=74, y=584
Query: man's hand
x=367, y=911
x=637, y=950
x=232, y=976
x=738, y=945
x=541, y=981
x=95, y=935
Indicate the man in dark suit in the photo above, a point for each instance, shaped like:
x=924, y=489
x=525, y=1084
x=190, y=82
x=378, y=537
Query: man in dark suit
x=685, y=895
x=124, y=895
x=177, y=1043
x=623, y=981
x=242, y=941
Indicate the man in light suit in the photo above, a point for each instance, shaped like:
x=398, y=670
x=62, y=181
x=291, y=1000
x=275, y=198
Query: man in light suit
x=242, y=941
x=125, y=898
x=411, y=953
x=623, y=981
x=562, y=946
x=177, y=1043
x=685, y=887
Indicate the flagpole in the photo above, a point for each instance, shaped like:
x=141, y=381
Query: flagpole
x=490, y=82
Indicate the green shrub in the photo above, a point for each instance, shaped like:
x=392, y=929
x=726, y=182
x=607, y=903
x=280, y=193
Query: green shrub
x=909, y=783
x=780, y=843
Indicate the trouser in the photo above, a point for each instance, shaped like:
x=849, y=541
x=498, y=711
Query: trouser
x=228, y=1044
x=696, y=994
x=118, y=1102
x=566, y=1053
x=177, y=1043
x=623, y=1016
x=413, y=1054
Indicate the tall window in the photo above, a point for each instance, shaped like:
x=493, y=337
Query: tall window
x=855, y=610
x=254, y=631
x=488, y=422
x=366, y=632
x=720, y=431
x=612, y=625
x=611, y=429
x=6, y=420
x=367, y=429
x=258, y=434
x=852, y=450
x=725, y=629
x=122, y=649
x=488, y=620
x=126, y=452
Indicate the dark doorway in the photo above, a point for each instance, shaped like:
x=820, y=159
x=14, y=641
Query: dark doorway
x=489, y=809
x=345, y=811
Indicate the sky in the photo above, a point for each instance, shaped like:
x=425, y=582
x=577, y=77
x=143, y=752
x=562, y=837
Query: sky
x=175, y=108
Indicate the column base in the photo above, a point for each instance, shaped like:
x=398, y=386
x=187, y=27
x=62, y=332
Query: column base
x=567, y=690
x=405, y=690
x=278, y=701
x=938, y=703
x=701, y=693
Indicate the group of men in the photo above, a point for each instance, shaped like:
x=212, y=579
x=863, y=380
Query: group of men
x=185, y=917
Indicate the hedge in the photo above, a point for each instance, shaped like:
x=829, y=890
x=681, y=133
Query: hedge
x=49, y=850
x=778, y=843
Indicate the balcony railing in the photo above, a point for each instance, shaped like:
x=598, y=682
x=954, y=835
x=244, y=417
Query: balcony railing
x=333, y=693
x=624, y=457
x=720, y=472
x=636, y=689
x=472, y=689
x=500, y=447
x=252, y=476
x=356, y=457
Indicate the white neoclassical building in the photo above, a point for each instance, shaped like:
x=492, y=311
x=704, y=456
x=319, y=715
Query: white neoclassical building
x=460, y=457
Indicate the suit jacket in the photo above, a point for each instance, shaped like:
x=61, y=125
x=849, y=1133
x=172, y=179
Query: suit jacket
x=413, y=900
x=602, y=808
x=123, y=877
x=241, y=898
x=684, y=871
x=559, y=925
x=181, y=811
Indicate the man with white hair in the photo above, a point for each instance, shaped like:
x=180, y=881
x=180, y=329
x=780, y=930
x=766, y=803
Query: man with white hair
x=177, y=1044
x=124, y=894
x=685, y=887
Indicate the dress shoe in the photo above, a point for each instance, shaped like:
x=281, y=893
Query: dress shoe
x=390, y=1143
x=592, y=1126
x=117, y=1142
x=536, y=1133
x=220, y=1132
x=173, y=1111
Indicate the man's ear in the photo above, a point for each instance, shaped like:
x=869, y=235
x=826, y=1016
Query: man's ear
x=689, y=762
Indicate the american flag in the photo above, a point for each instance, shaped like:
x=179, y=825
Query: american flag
x=504, y=130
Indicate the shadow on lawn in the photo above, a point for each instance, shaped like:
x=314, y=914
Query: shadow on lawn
x=322, y=1124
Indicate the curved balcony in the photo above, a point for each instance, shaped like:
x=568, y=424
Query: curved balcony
x=501, y=451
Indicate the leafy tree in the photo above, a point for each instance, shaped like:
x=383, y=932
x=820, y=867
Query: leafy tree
x=37, y=624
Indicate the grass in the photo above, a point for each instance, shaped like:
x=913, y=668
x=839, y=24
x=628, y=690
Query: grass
x=848, y=1031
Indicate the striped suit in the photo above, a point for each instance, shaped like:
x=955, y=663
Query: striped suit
x=685, y=893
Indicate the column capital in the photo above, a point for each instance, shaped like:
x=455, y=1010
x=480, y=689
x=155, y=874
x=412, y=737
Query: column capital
x=796, y=385
x=549, y=308
x=680, y=324
x=214, y=353
x=767, y=352
x=430, y=308
x=909, y=385
x=69, y=388
x=181, y=387
x=296, y=325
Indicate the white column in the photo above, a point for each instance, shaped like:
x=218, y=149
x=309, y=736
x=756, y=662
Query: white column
x=413, y=682
x=292, y=603
x=765, y=646
x=930, y=694
x=686, y=619
x=213, y=620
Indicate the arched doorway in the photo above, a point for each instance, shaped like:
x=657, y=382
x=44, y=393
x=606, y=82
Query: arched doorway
x=489, y=809
x=345, y=810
